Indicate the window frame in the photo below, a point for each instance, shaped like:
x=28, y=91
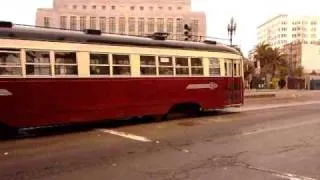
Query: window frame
x=13, y=65
x=149, y=65
x=40, y=64
x=64, y=64
x=212, y=67
x=193, y=67
x=188, y=66
x=120, y=65
x=166, y=66
x=100, y=65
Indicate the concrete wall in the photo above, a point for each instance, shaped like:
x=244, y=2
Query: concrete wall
x=310, y=58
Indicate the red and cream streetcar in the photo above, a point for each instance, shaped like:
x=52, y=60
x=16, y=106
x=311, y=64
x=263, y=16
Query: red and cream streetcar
x=52, y=77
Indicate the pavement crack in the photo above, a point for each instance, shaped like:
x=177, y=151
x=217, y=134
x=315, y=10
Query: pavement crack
x=213, y=162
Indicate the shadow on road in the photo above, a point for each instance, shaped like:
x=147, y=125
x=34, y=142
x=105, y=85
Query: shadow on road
x=106, y=124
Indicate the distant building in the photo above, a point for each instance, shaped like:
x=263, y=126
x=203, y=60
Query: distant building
x=305, y=55
x=134, y=17
x=284, y=29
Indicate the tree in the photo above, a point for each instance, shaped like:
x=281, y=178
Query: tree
x=299, y=71
x=272, y=61
x=248, y=69
x=313, y=72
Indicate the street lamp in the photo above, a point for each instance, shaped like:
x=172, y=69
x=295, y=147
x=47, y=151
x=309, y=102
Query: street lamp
x=232, y=29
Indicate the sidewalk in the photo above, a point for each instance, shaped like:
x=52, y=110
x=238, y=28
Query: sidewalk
x=283, y=93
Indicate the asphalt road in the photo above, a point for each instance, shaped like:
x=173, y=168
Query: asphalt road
x=256, y=142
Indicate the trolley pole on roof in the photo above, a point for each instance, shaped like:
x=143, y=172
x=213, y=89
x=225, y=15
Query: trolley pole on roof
x=232, y=26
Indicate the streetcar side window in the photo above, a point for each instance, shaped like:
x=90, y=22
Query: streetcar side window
x=182, y=66
x=225, y=69
x=148, y=65
x=121, y=65
x=10, y=62
x=99, y=64
x=165, y=65
x=196, y=66
x=235, y=69
x=214, y=67
x=66, y=63
x=38, y=63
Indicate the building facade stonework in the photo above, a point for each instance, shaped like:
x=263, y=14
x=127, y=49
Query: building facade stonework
x=133, y=17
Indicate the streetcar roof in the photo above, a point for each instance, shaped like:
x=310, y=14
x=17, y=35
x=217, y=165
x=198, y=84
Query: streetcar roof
x=48, y=34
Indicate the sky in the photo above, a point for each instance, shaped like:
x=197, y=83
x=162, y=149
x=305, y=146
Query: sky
x=248, y=14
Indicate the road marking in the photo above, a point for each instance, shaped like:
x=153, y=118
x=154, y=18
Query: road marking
x=127, y=135
x=282, y=175
x=259, y=131
x=293, y=177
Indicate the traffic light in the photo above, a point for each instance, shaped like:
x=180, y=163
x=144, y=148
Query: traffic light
x=187, y=32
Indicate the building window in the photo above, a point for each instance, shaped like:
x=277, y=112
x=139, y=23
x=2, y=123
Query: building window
x=179, y=26
x=196, y=66
x=73, y=22
x=150, y=25
x=121, y=64
x=83, y=23
x=170, y=8
x=151, y=8
x=113, y=7
x=214, y=67
x=182, y=66
x=160, y=25
x=38, y=63
x=99, y=64
x=66, y=63
x=122, y=25
x=103, y=7
x=132, y=8
x=132, y=25
x=160, y=7
x=74, y=6
x=170, y=25
x=93, y=23
x=179, y=8
x=141, y=26
x=102, y=24
x=46, y=22
x=63, y=22
x=112, y=24
x=84, y=7
x=10, y=63
x=94, y=7
x=148, y=65
x=195, y=29
x=141, y=8
x=165, y=65
x=313, y=36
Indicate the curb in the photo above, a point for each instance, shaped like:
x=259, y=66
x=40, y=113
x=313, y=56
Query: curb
x=267, y=95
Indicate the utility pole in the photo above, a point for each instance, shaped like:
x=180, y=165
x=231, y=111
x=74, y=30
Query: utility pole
x=232, y=26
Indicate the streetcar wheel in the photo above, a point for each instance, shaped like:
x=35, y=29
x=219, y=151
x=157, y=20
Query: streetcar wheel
x=192, y=110
x=7, y=132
